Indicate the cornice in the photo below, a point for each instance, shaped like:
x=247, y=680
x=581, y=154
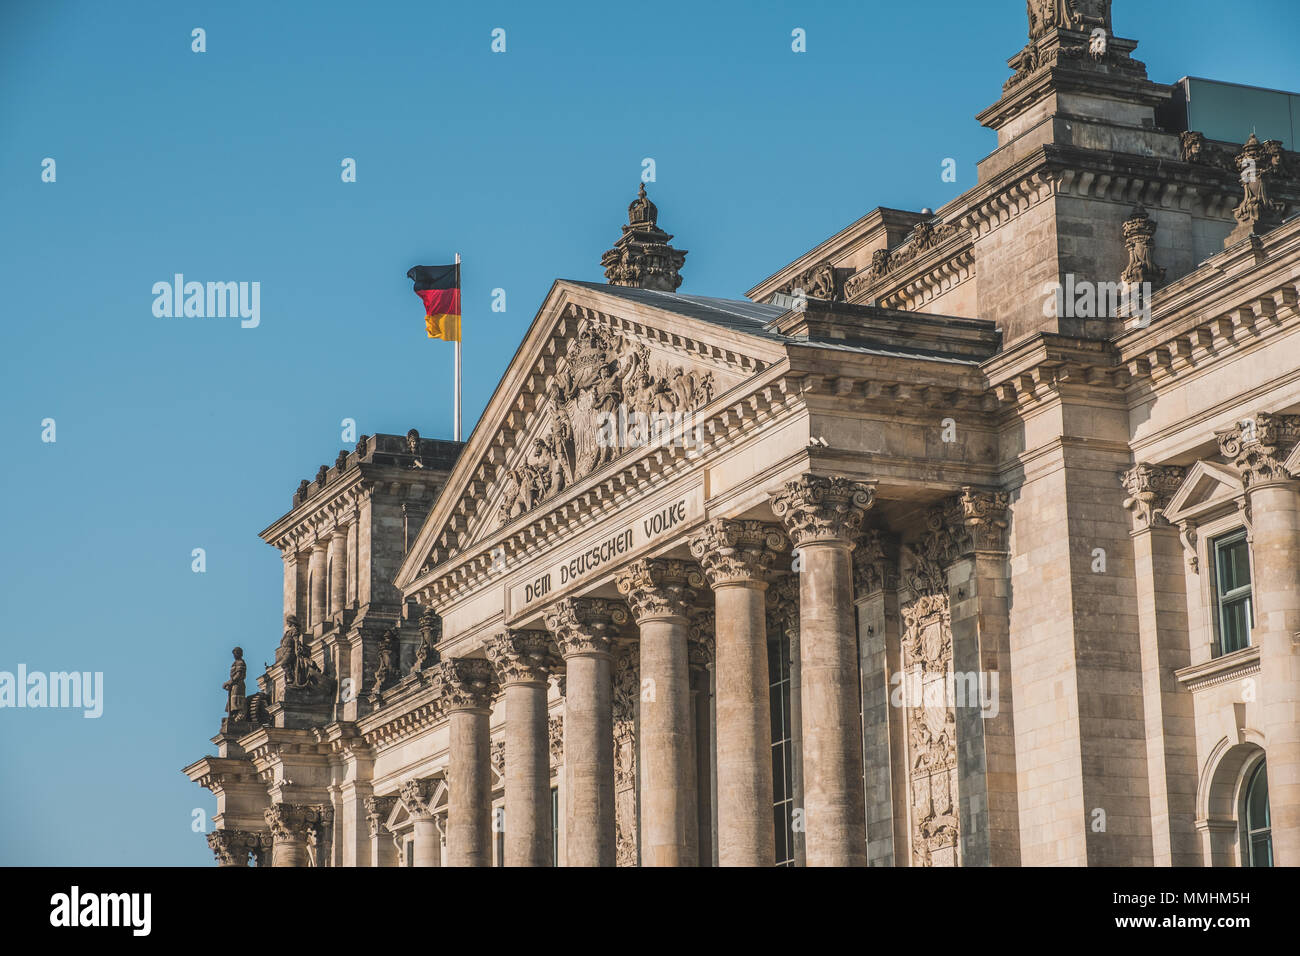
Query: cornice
x=1220, y=670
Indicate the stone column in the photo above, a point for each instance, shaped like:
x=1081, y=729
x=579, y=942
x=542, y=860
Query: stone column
x=978, y=596
x=468, y=688
x=1167, y=705
x=823, y=517
x=1273, y=502
x=338, y=565
x=417, y=799
x=524, y=661
x=290, y=824
x=660, y=592
x=291, y=583
x=700, y=651
x=382, y=850
x=584, y=628
x=232, y=847
x=736, y=556
x=317, y=599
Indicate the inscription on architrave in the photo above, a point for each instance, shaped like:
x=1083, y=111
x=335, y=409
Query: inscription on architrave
x=931, y=732
x=627, y=686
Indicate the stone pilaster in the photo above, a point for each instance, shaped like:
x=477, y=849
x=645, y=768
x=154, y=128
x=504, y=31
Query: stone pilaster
x=735, y=557
x=382, y=850
x=875, y=579
x=317, y=597
x=524, y=661
x=660, y=592
x=978, y=601
x=468, y=686
x=1258, y=449
x=291, y=824
x=584, y=629
x=823, y=517
x=338, y=570
x=1168, y=708
x=233, y=847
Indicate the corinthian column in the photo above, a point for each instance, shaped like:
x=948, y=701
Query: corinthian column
x=317, y=598
x=584, y=629
x=232, y=847
x=660, y=592
x=290, y=824
x=338, y=569
x=1273, y=498
x=417, y=800
x=468, y=686
x=736, y=556
x=524, y=661
x=823, y=517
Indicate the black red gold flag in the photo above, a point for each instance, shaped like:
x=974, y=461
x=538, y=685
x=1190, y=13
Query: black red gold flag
x=439, y=288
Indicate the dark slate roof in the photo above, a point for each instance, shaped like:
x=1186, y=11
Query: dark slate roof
x=739, y=315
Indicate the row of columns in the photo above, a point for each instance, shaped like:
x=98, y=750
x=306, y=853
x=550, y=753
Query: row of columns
x=327, y=577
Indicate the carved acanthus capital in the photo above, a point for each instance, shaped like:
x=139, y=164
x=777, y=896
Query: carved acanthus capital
x=467, y=684
x=701, y=646
x=659, y=587
x=555, y=738
x=783, y=604
x=417, y=797
x=818, y=509
x=875, y=563
x=930, y=555
x=1258, y=447
x=977, y=521
x=736, y=551
x=292, y=821
x=1150, y=487
x=522, y=657
x=378, y=810
x=585, y=626
x=233, y=847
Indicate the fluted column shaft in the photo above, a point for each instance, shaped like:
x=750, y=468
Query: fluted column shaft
x=338, y=570
x=660, y=593
x=823, y=517
x=468, y=688
x=317, y=599
x=524, y=660
x=583, y=628
x=735, y=556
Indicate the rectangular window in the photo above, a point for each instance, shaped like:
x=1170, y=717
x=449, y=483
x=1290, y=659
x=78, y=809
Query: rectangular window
x=778, y=662
x=499, y=815
x=409, y=845
x=1233, y=591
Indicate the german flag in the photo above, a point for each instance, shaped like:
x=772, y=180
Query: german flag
x=439, y=288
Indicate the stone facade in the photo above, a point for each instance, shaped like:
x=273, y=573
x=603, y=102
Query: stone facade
x=972, y=538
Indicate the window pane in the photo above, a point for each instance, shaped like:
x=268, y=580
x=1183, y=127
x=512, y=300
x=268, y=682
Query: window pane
x=1261, y=850
x=1257, y=801
x=1234, y=565
x=1235, y=619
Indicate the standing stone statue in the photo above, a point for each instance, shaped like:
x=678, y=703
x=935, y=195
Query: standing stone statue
x=286, y=655
x=236, y=702
x=387, y=671
x=1083, y=15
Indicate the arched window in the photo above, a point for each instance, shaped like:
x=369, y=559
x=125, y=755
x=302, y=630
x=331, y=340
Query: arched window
x=1259, y=834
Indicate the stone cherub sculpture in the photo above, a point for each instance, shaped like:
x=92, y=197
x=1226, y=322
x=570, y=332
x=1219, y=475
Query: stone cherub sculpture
x=236, y=702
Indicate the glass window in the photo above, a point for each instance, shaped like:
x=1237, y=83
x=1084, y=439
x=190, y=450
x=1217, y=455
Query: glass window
x=1259, y=832
x=778, y=663
x=1233, y=591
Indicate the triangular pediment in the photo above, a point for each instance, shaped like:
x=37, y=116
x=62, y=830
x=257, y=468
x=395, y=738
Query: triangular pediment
x=602, y=373
x=1208, y=486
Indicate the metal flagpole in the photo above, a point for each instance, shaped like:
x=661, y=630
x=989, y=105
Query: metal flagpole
x=458, y=337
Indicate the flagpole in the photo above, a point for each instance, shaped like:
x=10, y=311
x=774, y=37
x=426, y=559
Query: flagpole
x=456, y=407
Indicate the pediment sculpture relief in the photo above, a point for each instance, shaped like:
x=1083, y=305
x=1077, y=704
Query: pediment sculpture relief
x=607, y=396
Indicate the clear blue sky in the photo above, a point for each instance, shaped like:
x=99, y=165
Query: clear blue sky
x=174, y=434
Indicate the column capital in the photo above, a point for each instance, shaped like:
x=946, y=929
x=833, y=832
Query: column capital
x=292, y=821
x=233, y=847
x=659, y=587
x=467, y=684
x=701, y=647
x=818, y=509
x=522, y=656
x=875, y=563
x=783, y=604
x=377, y=811
x=1258, y=447
x=584, y=626
x=1150, y=488
x=417, y=797
x=977, y=520
x=737, y=551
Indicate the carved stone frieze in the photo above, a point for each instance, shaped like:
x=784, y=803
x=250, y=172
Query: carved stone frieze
x=820, y=282
x=818, y=509
x=1150, y=487
x=659, y=587
x=1258, y=447
x=930, y=555
x=555, y=737
x=875, y=563
x=522, y=656
x=736, y=551
x=585, y=625
x=626, y=671
x=783, y=605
